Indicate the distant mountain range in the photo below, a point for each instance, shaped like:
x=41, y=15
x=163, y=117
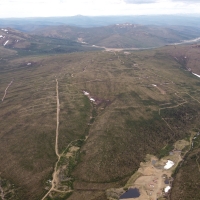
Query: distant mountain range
x=124, y=35
x=65, y=38
x=107, y=31
x=29, y=24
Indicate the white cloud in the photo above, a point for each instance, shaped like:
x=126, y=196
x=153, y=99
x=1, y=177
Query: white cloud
x=187, y=1
x=140, y=1
x=45, y=8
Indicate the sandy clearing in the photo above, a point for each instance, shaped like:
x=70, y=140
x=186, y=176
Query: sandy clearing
x=151, y=183
x=71, y=151
x=151, y=176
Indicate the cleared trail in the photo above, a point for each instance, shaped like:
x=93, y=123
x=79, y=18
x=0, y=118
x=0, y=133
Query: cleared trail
x=2, y=192
x=198, y=162
x=6, y=90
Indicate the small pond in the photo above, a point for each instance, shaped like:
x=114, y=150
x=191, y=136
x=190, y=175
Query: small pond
x=166, y=181
x=131, y=193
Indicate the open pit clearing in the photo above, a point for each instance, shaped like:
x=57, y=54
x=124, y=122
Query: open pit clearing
x=153, y=179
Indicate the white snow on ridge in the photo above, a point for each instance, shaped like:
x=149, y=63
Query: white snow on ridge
x=196, y=75
x=169, y=164
x=154, y=85
x=1, y=36
x=86, y=93
x=167, y=189
x=91, y=99
x=6, y=43
x=4, y=30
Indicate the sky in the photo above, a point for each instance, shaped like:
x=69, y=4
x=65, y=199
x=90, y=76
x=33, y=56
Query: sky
x=49, y=8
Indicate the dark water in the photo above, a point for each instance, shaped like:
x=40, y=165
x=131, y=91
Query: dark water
x=131, y=193
x=166, y=181
x=154, y=162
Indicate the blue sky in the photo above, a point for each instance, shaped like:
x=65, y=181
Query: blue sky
x=46, y=8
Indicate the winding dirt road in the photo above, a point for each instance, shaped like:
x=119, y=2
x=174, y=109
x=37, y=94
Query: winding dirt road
x=124, y=49
x=187, y=41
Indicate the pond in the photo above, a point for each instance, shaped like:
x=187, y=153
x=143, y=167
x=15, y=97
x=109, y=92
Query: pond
x=166, y=181
x=131, y=193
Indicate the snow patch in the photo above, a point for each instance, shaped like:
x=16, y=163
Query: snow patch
x=86, y=93
x=169, y=164
x=154, y=85
x=5, y=43
x=28, y=64
x=167, y=189
x=196, y=75
x=4, y=30
x=1, y=36
x=91, y=99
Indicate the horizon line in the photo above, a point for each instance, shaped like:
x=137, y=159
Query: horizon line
x=89, y=16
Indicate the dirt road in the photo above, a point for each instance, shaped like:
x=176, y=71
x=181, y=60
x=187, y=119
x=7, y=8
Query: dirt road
x=55, y=180
x=127, y=49
x=187, y=41
x=6, y=90
x=58, y=112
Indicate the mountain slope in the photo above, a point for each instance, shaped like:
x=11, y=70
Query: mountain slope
x=21, y=43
